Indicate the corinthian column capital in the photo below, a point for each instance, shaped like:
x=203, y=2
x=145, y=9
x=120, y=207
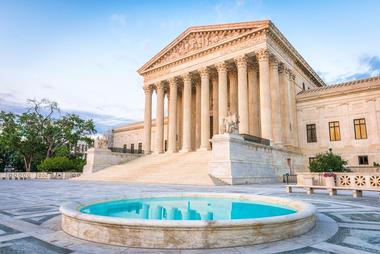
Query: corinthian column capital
x=273, y=62
x=241, y=61
x=147, y=89
x=221, y=67
x=204, y=72
x=186, y=77
x=173, y=82
x=160, y=86
x=262, y=54
x=281, y=68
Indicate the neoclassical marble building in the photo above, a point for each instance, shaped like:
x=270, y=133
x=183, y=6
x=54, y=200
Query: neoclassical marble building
x=250, y=69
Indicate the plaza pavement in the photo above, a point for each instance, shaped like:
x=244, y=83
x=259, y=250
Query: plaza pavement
x=30, y=219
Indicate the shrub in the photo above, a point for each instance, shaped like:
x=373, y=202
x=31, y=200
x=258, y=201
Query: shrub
x=328, y=162
x=60, y=164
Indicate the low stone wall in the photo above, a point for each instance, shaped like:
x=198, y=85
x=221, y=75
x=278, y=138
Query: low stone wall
x=351, y=179
x=38, y=175
x=237, y=161
x=101, y=158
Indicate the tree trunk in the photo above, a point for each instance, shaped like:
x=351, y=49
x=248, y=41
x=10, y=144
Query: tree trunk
x=49, y=152
x=27, y=163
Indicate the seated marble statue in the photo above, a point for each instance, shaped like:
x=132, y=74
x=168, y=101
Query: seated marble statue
x=230, y=124
x=101, y=143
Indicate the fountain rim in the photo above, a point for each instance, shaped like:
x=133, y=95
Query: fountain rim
x=303, y=210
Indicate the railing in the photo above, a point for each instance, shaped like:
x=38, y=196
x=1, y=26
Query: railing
x=255, y=139
x=343, y=179
x=38, y=175
x=286, y=178
x=126, y=150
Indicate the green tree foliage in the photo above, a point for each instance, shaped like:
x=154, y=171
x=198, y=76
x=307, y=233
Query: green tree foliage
x=40, y=133
x=325, y=162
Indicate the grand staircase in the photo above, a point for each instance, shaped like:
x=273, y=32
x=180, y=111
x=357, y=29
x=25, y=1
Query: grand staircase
x=176, y=168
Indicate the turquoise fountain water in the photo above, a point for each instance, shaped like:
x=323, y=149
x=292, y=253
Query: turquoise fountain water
x=186, y=208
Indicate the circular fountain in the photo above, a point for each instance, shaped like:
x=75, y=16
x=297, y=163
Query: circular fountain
x=188, y=220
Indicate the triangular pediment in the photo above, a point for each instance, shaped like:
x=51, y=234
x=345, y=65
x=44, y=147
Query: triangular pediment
x=199, y=38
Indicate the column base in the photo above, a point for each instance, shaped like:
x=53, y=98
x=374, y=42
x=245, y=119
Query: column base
x=203, y=149
x=172, y=151
x=185, y=150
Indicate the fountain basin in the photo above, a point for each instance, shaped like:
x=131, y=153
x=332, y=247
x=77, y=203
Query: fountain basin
x=188, y=220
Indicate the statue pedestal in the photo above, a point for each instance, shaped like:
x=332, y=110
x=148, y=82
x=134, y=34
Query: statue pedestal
x=238, y=161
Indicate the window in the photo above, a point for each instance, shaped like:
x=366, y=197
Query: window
x=311, y=133
x=140, y=147
x=124, y=148
x=303, y=86
x=360, y=128
x=132, y=148
x=311, y=159
x=363, y=160
x=334, y=131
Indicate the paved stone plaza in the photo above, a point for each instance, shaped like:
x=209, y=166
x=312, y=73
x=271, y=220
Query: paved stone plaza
x=30, y=219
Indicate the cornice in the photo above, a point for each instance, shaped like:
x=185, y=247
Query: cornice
x=276, y=35
x=345, y=88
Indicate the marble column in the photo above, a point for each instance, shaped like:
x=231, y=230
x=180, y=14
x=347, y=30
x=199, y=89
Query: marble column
x=222, y=92
x=284, y=103
x=186, y=141
x=233, y=80
x=172, y=146
x=160, y=118
x=293, y=109
x=265, y=99
x=275, y=100
x=253, y=100
x=205, y=109
x=147, y=119
x=197, y=114
x=215, y=111
x=241, y=64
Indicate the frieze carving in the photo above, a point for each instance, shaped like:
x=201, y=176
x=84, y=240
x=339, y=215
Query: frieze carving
x=198, y=40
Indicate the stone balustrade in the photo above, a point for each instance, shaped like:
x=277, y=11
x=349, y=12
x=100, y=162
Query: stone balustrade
x=38, y=175
x=346, y=179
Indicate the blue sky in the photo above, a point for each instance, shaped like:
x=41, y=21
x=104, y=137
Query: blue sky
x=84, y=54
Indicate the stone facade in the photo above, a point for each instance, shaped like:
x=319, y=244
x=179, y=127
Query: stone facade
x=249, y=69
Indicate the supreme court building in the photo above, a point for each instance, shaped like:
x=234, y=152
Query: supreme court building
x=250, y=69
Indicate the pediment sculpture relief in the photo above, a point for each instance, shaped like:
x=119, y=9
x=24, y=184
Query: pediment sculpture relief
x=198, y=40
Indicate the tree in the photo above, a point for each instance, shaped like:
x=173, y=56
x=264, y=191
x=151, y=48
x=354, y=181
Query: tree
x=328, y=162
x=65, y=131
x=41, y=131
x=19, y=132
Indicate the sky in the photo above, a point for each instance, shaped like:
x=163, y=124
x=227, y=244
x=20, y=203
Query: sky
x=84, y=54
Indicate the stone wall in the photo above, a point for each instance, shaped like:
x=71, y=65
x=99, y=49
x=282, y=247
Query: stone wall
x=98, y=159
x=236, y=161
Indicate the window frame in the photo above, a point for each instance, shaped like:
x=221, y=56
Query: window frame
x=335, y=127
x=360, y=125
x=313, y=130
x=363, y=158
